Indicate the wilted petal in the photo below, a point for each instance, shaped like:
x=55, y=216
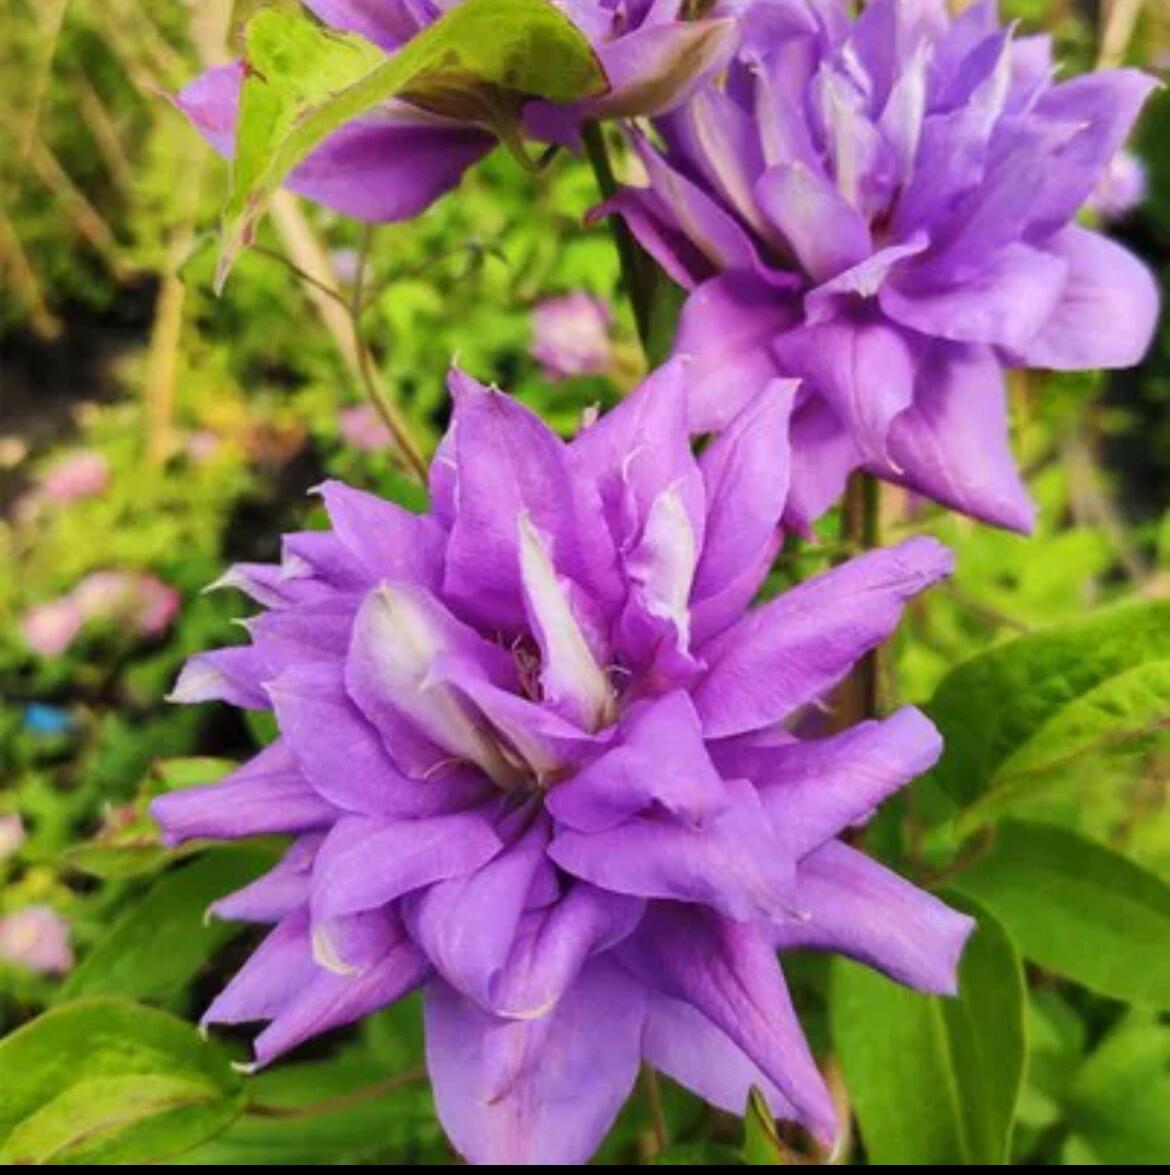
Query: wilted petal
x=655, y=68
x=1107, y=311
x=268, y=794
x=728, y=971
x=568, y=1079
x=794, y=649
x=859, y=908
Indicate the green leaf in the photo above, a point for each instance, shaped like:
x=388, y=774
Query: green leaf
x=1119, y=1098
x=762, y=1146
x=162, y=941
x=110, y=1081
x=1076, y=908
x=932, y=1079
x=478, y=62
x=317, y=1113
x=1013, y=717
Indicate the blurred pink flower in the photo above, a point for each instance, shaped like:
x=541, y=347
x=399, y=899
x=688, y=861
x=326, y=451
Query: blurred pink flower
x=203, y=445
x=137, y=599
x=142, y=600
x=36, y=938
x=79, y=475
x=362, y=429
x=570, y=335
x=49, y=629
x=11, y=834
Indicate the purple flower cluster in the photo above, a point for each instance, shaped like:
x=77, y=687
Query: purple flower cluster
x=536, y=756
x=393, y=163
x=883, y=207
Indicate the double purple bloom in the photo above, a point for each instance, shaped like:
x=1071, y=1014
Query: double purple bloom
x=884, y=207
x=536, y=755
x=392, y=163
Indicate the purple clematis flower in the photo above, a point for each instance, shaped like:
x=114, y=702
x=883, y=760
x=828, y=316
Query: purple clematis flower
x=535, y=756
x=885, y=208
x=393, y=163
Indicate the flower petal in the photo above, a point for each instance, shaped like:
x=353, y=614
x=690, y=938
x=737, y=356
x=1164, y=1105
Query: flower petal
x=568, y=1080
x=859, y=908
x=1107, y=311
x=794, y=649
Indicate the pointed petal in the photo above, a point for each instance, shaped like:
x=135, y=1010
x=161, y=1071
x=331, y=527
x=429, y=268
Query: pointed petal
x=729, y=972
x=823, y=456
x=350, y=766
x=278, y=892
x=510, y=462
x=267, y=794
x=329, y=1000
x=816, y=789
x=746, y=473
x=400, y=633
x=825, y=232
x=572, y=683
x=794, y=649
x=276, y=970
x=731, y=864
x=467, y=925
x=1005, y=303
x=366, y=863
x=570, y=1080
x=391, y=542
x=859, y=908
x=682, y=1043
x=658, y=758
x=235, y=675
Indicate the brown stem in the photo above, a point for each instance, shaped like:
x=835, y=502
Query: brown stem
x=857, y=697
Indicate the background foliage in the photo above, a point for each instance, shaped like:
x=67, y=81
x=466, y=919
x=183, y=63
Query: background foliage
x=1046, y=661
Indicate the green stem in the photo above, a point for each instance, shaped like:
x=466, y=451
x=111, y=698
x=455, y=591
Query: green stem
x=638, y=287
x=858, y=697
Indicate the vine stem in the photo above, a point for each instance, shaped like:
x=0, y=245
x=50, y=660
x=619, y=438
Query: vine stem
x=391, y=417
x=633, y=272
x=343, y=1102
x=858, y=696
